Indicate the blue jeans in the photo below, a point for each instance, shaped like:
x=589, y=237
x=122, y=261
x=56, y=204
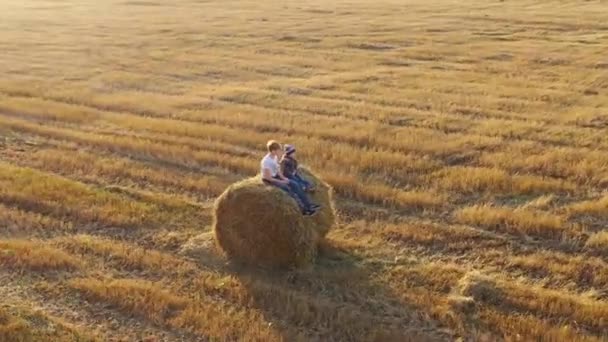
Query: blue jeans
x=300, y=180
x=294, y=190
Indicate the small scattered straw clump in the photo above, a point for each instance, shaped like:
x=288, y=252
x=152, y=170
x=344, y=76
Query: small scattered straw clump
x=260, y=224
x=202, y=246
x=479, y=287
x=462, y=303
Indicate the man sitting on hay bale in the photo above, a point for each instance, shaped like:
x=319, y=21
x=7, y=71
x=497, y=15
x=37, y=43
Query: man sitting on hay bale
x=272, y=175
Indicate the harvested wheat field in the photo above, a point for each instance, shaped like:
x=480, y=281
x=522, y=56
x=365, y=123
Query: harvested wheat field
x=466, y=143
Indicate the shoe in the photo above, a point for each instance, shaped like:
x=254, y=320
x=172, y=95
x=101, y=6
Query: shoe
x=310, y=212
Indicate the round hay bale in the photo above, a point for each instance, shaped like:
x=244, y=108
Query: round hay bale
x=260, y=224
x=325, y=218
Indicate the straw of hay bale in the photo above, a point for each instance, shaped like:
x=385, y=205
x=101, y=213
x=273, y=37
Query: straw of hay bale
x=260, y=224
x=325, y=218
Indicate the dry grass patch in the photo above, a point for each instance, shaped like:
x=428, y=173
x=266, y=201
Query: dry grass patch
x=430, y=234
x=584, y=270
x=60, y=197
x=35, y=256
x=585, y=311
x=14, y=221
x=126, y=255
x=597, y=208
x=541, y=203
x=589, y=313
x=22, y=324
x=577, y=165
x=137, y=296
x=491, y=181
x=139, y=148
x=13, y=329
x=206, y=318
x=518, y=220
x=45, y=110
x=352, y=187
x=598, y=241
x=92, y=166
x=513, y=327
x=433, y=276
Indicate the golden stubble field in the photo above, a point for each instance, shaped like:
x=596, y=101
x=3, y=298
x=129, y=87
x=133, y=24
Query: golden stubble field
x=467, y=142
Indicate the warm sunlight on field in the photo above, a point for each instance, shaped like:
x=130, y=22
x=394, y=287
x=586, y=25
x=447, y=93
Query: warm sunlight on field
x=467, y=143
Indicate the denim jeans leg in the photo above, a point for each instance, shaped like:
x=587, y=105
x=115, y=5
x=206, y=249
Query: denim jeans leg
x=292, y=194
x=297, y=190
x=302, y=181
x=294, y=179
x=304, y=184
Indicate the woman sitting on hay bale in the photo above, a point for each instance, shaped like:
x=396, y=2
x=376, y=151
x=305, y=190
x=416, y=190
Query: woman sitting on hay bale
x=289, y=168
x=271, y=175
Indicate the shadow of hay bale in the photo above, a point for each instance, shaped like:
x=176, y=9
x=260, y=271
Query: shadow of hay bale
x=342, y=295
x=258, y=224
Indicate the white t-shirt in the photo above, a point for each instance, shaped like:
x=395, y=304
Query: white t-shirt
x=270, y=162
